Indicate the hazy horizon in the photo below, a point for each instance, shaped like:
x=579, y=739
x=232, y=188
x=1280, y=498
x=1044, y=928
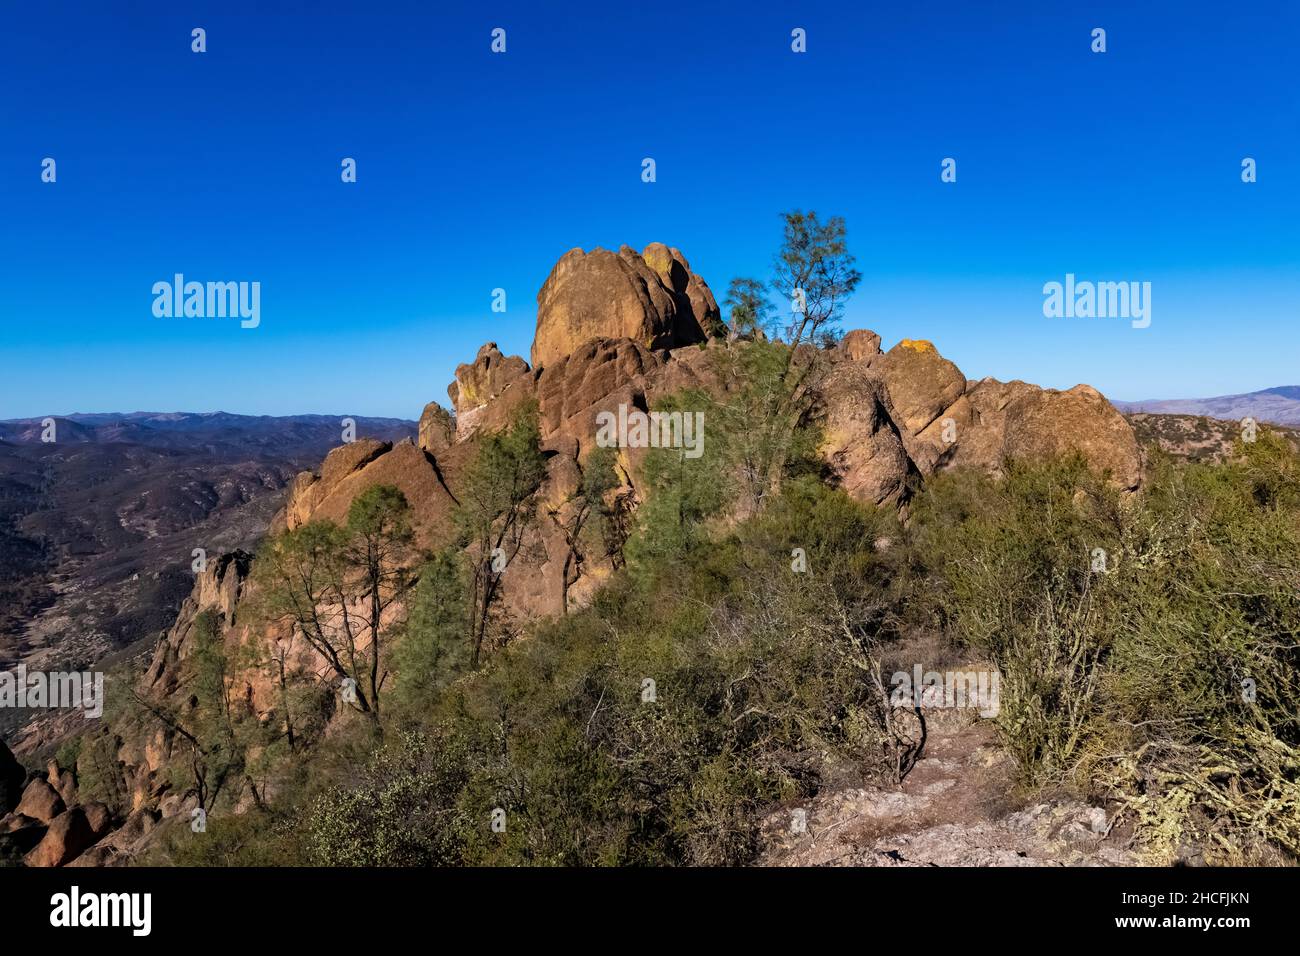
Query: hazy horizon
x=446, y=404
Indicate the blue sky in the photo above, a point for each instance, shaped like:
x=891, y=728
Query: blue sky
x=478, y=171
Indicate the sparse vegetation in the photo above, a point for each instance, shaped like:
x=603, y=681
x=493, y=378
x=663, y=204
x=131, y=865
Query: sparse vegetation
x=710, y=680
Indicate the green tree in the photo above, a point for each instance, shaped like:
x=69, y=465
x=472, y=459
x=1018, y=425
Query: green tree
x=748, y=309
x=201, y=715
x=333, y=587
x=815, y=273
x=497, y=505
x=433, y=649
x=814, y=259
x=682, y=494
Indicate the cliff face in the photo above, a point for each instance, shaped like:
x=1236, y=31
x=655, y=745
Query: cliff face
x=628, y=329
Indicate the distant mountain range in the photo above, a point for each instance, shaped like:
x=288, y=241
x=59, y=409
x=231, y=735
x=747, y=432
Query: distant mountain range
x=97, y=527
x=1279, y=406
x=221, y=432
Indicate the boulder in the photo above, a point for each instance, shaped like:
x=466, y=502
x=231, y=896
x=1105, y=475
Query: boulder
x=921, y=383
x=604, y=294
x=675, y=273
x=99, y=817
x=437, y=429
x=860, y=345
x=70, y=834
x=861, y=444
x=40, y=802
x=1000, y=420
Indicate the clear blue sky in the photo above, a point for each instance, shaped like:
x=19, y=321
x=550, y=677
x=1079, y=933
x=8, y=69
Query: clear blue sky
x=478, y=171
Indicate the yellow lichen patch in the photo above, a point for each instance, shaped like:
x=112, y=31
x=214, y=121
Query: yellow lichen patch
x=658, y=258
x=918, y=345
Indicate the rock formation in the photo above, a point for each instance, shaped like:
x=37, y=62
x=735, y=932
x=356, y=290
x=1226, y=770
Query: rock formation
x=613, y=329
x=651, y=298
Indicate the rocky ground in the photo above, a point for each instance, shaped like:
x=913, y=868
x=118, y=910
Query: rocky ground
x=1194, y=437
x=957, y=807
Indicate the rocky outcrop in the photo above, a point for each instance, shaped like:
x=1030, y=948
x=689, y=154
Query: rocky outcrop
x=217, y=588
x=943, y=421
x=676, y=275
x=862, y=444
x=860, y=345
x=597, y=376
x=50, y=827
x=351, y=468
x=63, y=781
x=70, y=834
x=652, y=298
x=437, y=429
x=40, y=802
x=613, y=329
x=997, y=421
x=486, y=378
x=121, y=845
x=487, y=392
x=921, y=383
x=309, y=489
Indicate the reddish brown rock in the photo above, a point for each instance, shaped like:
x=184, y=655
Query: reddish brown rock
x=598, y=376
x=486, y=378
x=12, y=822
x=69, y=835
x=1001, y=420
x=942, y=421
x=603, y=294
x=921, y=383
x=675, y=273
x=40, y=802
x=99, y=817
x=63, y=781
x=218, y=588
x=308, y=489
x=860, y=442
x=409, y=470
x=487, y=392
x=860, y=345
x=437, y=429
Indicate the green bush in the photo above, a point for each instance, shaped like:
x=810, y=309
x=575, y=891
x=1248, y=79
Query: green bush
x=1170, y=682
